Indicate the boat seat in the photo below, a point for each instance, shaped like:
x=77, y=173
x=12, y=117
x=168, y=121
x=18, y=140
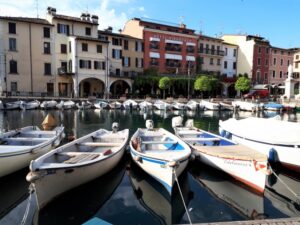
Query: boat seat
x=100, y=144
x=78, y=158
x=200, y=139
x=159, y=142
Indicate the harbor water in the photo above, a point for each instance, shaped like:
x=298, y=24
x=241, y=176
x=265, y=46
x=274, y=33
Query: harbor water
x=128, y=196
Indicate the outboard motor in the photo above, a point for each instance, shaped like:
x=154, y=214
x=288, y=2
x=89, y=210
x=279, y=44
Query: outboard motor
x=115, y=127
x=149, y=124
x=177, y=121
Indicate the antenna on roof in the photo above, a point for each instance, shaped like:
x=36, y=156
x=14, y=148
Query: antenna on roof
x=37, y=8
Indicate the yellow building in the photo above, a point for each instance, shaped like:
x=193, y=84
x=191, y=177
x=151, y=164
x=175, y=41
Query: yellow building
x=26, y=56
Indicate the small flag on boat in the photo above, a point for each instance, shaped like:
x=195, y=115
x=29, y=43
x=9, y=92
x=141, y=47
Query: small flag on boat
x=49, y=122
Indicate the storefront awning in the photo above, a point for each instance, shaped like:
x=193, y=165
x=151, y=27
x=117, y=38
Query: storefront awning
x=172, y=56
x=154, y=55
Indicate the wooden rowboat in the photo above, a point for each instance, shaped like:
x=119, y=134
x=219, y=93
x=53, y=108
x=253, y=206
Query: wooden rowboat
x=76, y=163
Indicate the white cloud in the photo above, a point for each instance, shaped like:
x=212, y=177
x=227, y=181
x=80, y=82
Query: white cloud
x=105, y=9
x=141, y=9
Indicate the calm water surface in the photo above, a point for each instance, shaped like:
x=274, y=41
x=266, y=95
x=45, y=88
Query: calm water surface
x=128, y=196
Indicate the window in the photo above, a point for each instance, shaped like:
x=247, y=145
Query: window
x=274, y=61
x=63, y=49
x=64, y=65
x=207, y=48
x=219, y=62
x=234, y=65
x=274, y=74
x=258, y=61
x=234, y=52
x=85, y=64
x=266, y=62
x=138, y=62
x=288, y=62
x=225, y=64
x=201, y=48
x=297, y=56
x=11, y=28
x=13, y=66
x=125, y=44
x=63, y=29
x=88, y=31
x=84, y=47
x=12, y=44
x=138, y=46
x=99, y=65
x=116, y=41
x=99, y=48
x=280, y=74
x=226, y=51
x=211, y=61
x=267, y=50
x=46, y=32
x=281, y=62
x=201, y=59
x=126, y=61
x=116, y=54
x=14, y=86
x=47, y=69
x=70, y=46
x=296, y=65
x=50, y=88
x=266, y=76
x=47, y=48
x=70, y=66
x=259, y=49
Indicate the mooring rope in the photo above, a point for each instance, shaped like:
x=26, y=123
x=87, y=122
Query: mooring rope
x=28, y=206
x=187, y=212
x=294, y=193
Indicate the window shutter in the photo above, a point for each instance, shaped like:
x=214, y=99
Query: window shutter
x=95, y=65
x=136, y=46
x=103, y=65
x=142, y=64
x=68, y=30
x=123, y=61
x=58, y=28
x=121, y=54
x=80, y=63
x=129, y=61
x=113, y=53
x=136, y=62
x=143, y=46
x=90, y=64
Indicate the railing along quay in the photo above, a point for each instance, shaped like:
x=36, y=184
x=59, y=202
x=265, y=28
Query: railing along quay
x=283, y=221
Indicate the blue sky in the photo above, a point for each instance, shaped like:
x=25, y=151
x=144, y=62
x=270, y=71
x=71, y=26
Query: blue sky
x=275, y=20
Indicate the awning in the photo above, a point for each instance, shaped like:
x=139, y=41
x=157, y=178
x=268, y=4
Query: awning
x=154, y=55
x=172, y=56
x=190, y=58
x=281, y=87
x=173, y=42
x=260, y=86
x=190, y=44
x=154, y=39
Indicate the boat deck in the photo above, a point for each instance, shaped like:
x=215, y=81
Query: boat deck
x=231, y=152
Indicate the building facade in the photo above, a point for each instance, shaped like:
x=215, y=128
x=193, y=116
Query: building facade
x=211, y=54
x=229, y=60
x=171, y=49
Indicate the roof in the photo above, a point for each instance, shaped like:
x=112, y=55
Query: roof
x=75, y=19
x=209, y=37
x=27, y=20
x=109, y=33
x=226, y=43
x=83, y=38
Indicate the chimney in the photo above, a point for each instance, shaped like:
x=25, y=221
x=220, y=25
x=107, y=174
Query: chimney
x=182, y=25
x=109, y=29
x=83, y=16
x=120, y=31
x=88, y=17
x=95, y=18
x=51, y=11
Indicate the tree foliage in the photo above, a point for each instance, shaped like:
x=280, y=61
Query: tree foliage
x=164, y=83
x=203, y=83
x=242, y=84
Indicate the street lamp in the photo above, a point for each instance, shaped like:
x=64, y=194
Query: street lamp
x=188, y=80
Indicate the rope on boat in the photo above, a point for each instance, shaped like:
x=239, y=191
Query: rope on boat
x=187, y=212
x=28, y=206
x=294, y=193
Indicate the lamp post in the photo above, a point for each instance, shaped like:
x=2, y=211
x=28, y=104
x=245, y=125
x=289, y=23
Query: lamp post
x=188, y=80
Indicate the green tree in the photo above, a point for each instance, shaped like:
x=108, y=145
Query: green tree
x=164, y=83
x=242, y=84
x=205, y=84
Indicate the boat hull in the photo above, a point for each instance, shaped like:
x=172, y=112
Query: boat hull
x=54, y=182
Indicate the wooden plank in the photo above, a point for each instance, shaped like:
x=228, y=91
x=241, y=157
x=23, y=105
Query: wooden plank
x=159, y=142
x=100, y=144
x=200, y=139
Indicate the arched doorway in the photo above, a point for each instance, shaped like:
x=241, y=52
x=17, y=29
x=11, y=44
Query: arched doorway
x=231, y=91
x=91, y=87
x=119, y=88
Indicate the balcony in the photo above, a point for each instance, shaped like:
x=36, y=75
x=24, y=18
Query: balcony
x=173, y=47
x=154, y=63
x=209, y=51
x=190, y=50
x=154, y=46
x=62, y=71
x=173, y=64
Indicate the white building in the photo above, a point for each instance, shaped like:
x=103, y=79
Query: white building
x=229, y=60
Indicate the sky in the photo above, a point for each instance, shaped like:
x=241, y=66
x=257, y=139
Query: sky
x=275, y=20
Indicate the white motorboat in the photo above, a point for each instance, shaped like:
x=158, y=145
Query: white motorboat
x=178, y=106
x=225, y=106
x=76, y=163
x=30, y=105
x=210, y=105
x=84, y=105
x=247, y=106
x=1, y=105
x=279, y=140
x=241, y=162
x=192, y=105
x=20, y=146
x=99, y=104
x=13, y=105
x=69, y=104
x=159, y=153
x=60, y=105
x=161, y=105
x=130, y=104
x=48, y=104
x=145, y=105
x=115, y=105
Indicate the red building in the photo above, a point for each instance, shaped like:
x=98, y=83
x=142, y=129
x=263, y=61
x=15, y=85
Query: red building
x=169, y=48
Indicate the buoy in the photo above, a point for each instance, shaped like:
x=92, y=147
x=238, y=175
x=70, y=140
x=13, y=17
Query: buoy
x=49, y=122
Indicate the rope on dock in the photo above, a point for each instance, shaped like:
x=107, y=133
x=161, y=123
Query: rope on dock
x=28, y=206
x=187, y=212
x=294, y=193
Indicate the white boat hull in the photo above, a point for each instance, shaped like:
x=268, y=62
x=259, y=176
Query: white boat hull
x=48, y=104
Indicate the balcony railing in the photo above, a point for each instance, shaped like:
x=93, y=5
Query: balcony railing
x=173, y=49
x=152, y=46
x=154, y=63
x=209, y=51
x=190, y=50
x=173, y=65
